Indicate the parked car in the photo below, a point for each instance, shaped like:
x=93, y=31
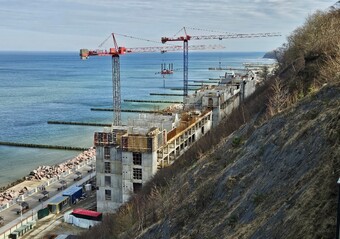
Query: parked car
x=1, y=220
x=63, y=185
x=44, y=197
x=78, y=176
x=23, y=207
x=92, y=169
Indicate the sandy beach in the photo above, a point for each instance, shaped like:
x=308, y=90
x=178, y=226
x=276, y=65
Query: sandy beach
x=43, y=173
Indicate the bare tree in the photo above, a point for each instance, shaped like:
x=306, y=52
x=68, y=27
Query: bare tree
x=278, y=99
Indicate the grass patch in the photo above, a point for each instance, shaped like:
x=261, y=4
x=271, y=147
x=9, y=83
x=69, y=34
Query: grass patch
x=236, y=142
x=258, y=198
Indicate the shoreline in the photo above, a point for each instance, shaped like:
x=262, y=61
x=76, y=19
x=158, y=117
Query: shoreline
x=44, y=173
x=41, y=175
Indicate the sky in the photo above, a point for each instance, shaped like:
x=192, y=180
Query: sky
x=68, y=25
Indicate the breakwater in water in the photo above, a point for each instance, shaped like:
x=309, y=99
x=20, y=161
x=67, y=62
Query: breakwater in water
x=78, y=123
x=126, y=111
x=37, y=87
x=42, y=146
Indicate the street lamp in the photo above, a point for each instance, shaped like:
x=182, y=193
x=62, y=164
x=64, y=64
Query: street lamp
x=338, y=214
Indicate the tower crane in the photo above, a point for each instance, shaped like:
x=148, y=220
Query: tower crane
x=187, y=37
x=115, y=52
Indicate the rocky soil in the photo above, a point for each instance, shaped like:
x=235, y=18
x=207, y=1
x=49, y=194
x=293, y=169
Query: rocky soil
x=269, y=170
x=277, y=180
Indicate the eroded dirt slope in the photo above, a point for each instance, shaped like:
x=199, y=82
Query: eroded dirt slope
x=278, y=181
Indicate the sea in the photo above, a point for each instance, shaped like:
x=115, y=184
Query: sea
x=37, y=87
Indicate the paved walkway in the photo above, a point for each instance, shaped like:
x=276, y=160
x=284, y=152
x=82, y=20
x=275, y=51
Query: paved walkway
x=12, y=218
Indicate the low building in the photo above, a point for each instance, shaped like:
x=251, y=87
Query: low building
x=58, y=204
x=74, y=193
x=83, y=218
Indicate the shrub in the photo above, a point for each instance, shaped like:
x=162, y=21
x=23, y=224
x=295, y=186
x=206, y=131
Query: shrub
x=258, y=198
x=236, y=142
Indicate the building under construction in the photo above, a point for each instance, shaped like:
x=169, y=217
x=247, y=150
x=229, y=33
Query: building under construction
x=128, y=156
x=224, y=97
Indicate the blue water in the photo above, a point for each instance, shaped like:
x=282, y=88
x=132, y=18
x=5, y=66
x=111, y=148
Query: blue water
x=37, y=87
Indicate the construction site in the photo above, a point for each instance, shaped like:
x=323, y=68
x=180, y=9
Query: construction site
x=127, y=156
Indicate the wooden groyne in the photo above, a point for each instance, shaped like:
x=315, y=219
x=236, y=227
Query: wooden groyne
x=226, y=69
x=195, y=84
x=215, y=68
x=143, y=111
x=166, y=94
x=179, y=88
x=44, y=146
x=155, y=101
x=208, y=82
x=78, y=123
x=259, y=65
x=129, y=111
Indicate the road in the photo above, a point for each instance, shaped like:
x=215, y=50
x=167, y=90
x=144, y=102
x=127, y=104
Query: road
x=11, y=218
x=53, y=225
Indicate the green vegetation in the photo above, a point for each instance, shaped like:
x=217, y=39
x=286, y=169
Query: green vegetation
x=236, y=142
x=232, y=220
x=258, y=198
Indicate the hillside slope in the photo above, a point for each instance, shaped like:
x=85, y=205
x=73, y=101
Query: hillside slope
x=280, y=183
x=269, y=170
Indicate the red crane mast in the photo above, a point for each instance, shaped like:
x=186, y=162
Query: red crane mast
x=115, y=53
